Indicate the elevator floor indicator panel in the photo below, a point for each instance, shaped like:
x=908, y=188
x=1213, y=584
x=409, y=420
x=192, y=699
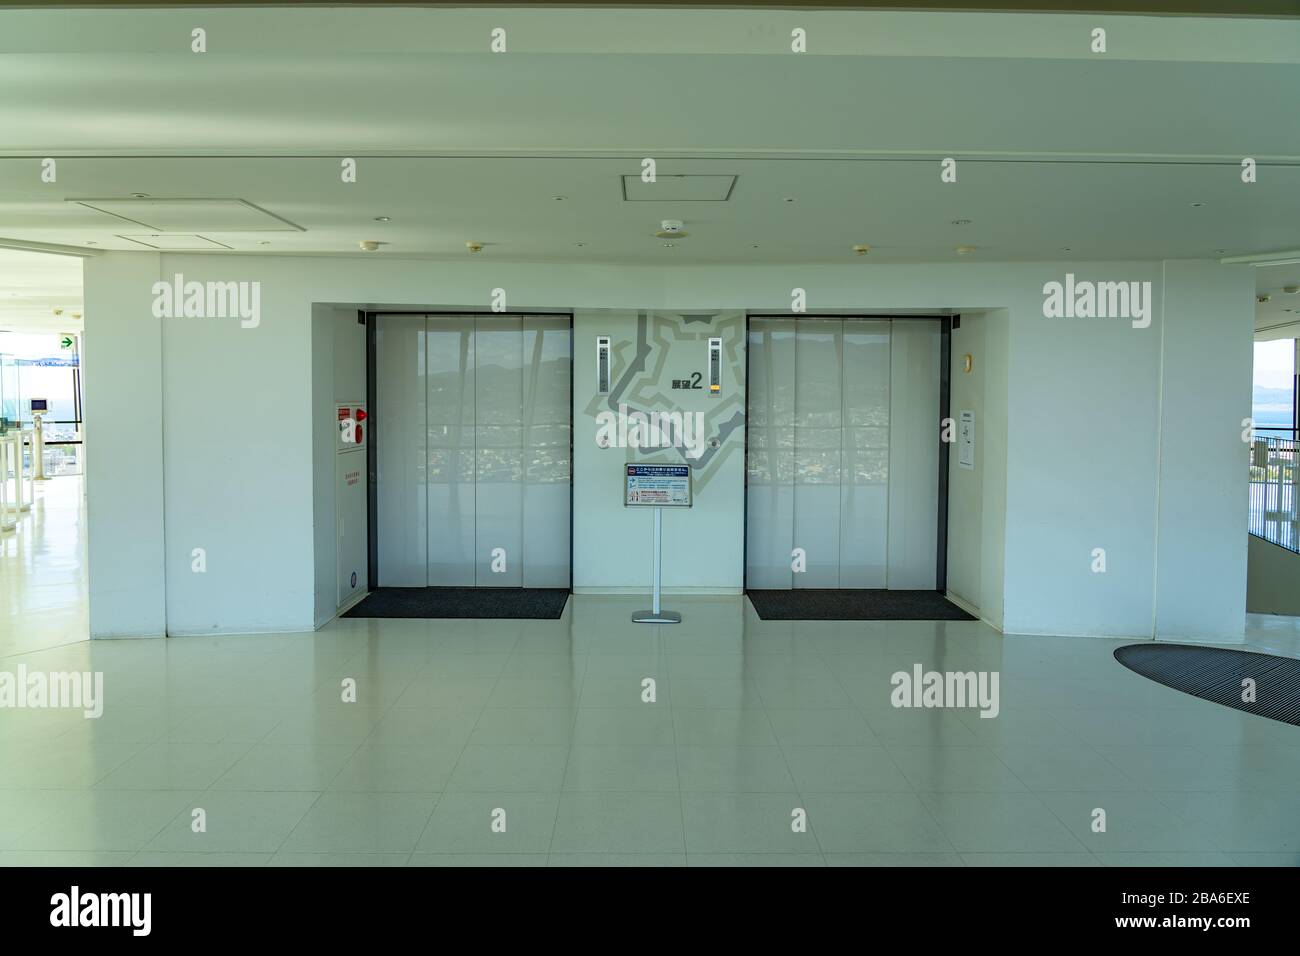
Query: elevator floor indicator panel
x=667, y=486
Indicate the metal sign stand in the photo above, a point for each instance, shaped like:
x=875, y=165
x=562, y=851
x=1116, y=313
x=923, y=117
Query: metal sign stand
x=655, y=615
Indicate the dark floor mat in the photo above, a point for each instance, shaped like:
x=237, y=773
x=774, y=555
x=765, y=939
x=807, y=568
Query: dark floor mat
x=543, y=604
x=1216, y=674
x=854, y=605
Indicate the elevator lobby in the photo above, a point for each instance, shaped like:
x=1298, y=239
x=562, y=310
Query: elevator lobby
x=639, y=437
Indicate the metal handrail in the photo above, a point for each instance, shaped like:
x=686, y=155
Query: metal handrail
x=1274, y=473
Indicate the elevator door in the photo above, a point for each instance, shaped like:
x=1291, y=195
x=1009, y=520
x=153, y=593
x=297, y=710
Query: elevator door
x=843, y=461
x=473, y=450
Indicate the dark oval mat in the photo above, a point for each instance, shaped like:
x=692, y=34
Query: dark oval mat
x=1216, y=674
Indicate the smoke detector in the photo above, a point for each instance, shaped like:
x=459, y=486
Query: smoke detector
x=671, y=229
x=473, y=246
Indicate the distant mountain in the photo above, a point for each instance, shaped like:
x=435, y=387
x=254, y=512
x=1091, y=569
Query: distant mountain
x=1271, y=396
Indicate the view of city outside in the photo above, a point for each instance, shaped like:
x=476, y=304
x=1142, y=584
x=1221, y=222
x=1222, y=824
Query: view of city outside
x=40, y=365
x=1273, y=399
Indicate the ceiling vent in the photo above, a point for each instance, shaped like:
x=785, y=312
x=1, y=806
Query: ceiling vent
x=191, y=216
x=175, y=242
x=679, y=189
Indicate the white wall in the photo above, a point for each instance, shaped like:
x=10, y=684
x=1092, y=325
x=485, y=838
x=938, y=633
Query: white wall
x=966, y=485
x=1081, y=467
x=703, y=545
x=124, y=412
x=1082, y=400
x=993, y=450
x=977, y=497
x=1271, y=582
x=1203, y=493
x=237, y=444
x=338, y=357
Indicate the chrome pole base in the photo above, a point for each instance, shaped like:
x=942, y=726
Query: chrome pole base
x=650, y=617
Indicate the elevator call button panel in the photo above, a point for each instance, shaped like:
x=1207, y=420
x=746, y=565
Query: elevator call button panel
x=715, y=366
x=602, y=364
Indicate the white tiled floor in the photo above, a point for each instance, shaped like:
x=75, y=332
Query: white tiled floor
x=544, y=721
x=42, y=571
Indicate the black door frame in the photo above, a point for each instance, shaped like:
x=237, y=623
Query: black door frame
x=372, y=484
x=946, y=325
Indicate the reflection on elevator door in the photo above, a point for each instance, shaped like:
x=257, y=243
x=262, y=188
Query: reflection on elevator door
x=473, y=450
x=842, y=483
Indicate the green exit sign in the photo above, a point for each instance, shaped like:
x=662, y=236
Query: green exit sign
x=65, y=342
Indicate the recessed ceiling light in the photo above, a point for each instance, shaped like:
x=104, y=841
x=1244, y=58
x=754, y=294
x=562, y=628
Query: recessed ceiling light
x=1065, y=248
x=474, y=246
x=861, y=250
x=92, y=243
x=965, y=250
x=579, y=243
x=1196, y=205
x=383, y=219
x=265, y=242
x=754, y=246
x=139, y=195
x=961, y=222
x=559, y=198
x=1261, y=299
x=789, y=199
x=1291, y=289
x=368, y=245
x=1219, y=252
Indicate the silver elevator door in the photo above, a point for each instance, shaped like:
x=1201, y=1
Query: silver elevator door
x=843, y=460
x=472, y=438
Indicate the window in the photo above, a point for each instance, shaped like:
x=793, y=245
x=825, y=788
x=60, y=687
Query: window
x=1273, y=398
x=39, y=365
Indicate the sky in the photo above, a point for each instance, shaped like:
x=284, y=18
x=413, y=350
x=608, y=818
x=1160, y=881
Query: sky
x=1275, y=363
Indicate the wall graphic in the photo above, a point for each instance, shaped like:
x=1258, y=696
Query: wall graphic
x=670, y=347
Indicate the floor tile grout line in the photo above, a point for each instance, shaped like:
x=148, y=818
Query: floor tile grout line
x=785, y=758
x=559, y=800
x=947, y=838
x=461, y=756
x=677, y=763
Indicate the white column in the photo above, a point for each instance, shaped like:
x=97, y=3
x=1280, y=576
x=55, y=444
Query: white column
x=1206, y=356
x=124, y=474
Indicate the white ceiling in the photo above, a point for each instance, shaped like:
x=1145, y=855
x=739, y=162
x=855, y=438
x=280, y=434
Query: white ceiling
x=1057, y=148
x=33, y=286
